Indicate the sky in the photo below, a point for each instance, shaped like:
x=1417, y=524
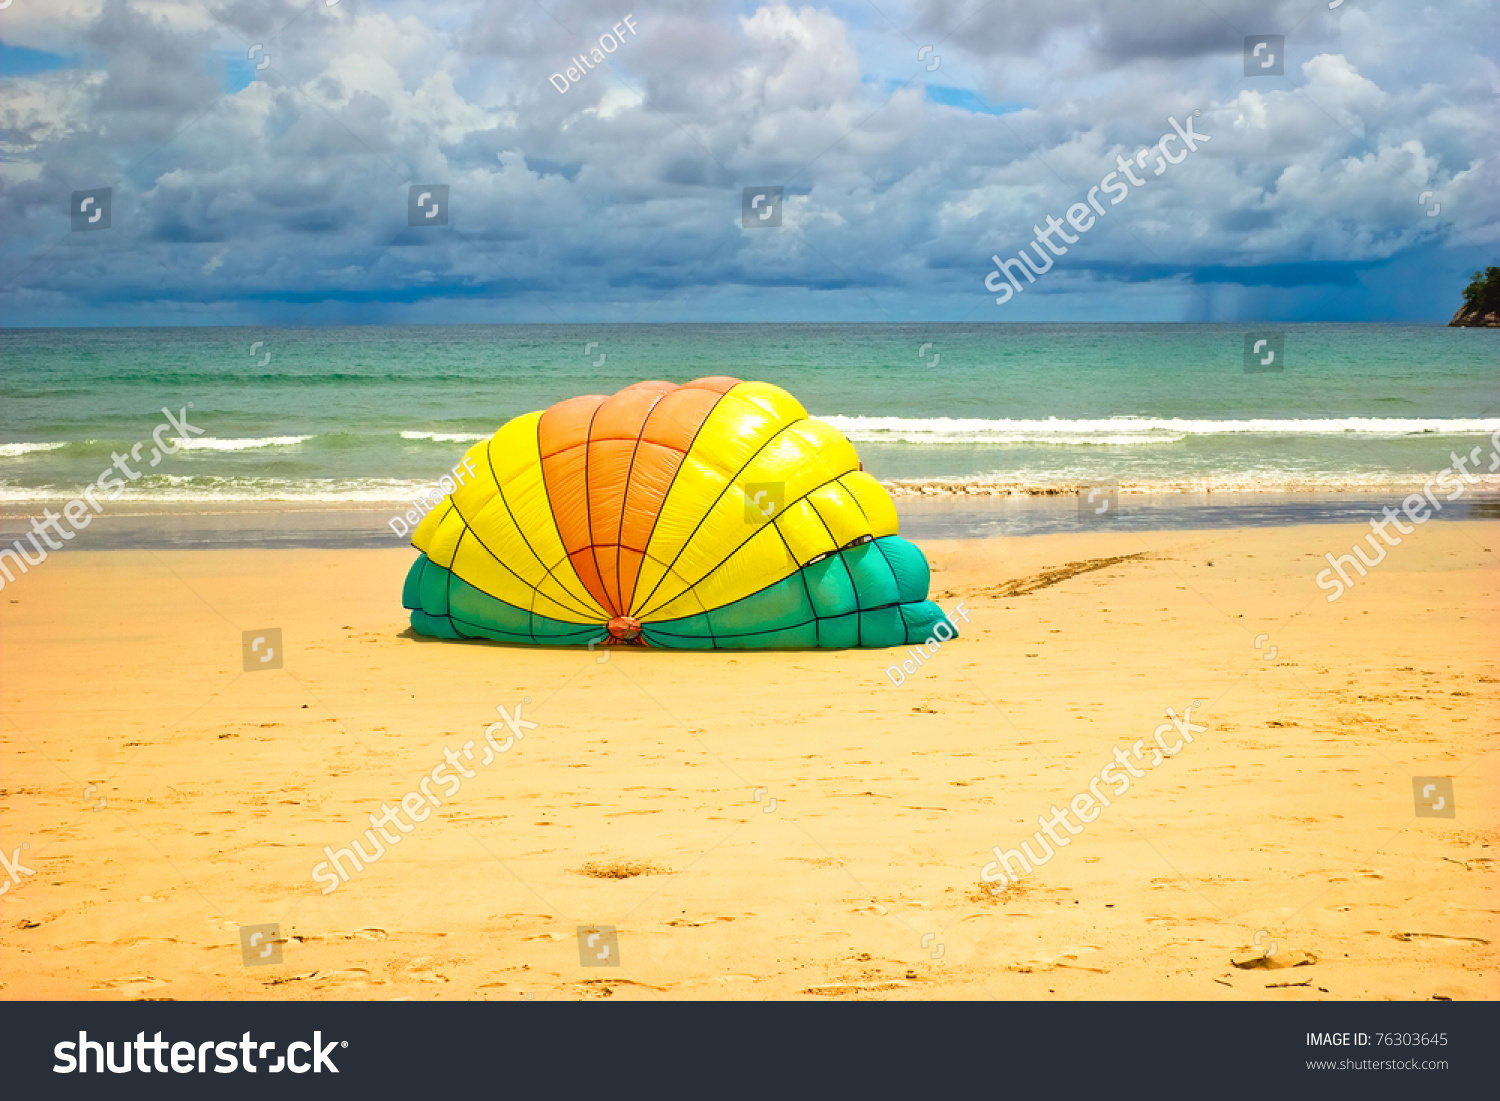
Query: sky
x=265, y=160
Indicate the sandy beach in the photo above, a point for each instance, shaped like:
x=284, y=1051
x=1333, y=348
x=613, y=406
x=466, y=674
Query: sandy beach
x=763, y=825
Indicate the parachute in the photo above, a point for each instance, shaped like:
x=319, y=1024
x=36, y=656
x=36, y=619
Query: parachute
x=712, y=515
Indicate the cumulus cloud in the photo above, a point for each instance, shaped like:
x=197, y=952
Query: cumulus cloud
x=260, y=156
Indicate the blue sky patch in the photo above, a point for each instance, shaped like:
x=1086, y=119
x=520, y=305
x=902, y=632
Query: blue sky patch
x=24, y=61
x=966, y=100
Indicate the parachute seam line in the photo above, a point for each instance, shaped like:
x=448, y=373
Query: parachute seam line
x=621, y=439
x=508, y=604
x=806, y=591
x=858, y=613
x=530, y=612
x=588, y=505
x=859, y=609
x=668, y=494
x=449, y=509
x=793, y=626
x=855, y=498
x=706, y=613
x=890, y=566
x=499, y=489
x=770, y=440
x=801, y=570
x=895, y=580
x=715, y=568
x=859, y=621
x=625, y=500
x=469, y=530
x=548, y=493
x=608, y=439
x=448, y=579
x=519, y=636
x=453, y=619
x=708, y=622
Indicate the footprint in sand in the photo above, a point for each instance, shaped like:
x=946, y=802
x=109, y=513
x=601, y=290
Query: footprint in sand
x=418, y=969
x=132, y=987
x=697, y=924
x=352, y=976
x=1068, y=957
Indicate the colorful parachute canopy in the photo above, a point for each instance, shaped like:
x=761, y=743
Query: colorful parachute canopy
x=715, y=514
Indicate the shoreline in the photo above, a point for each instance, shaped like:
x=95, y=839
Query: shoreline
x=903, y=490
x=361, y=525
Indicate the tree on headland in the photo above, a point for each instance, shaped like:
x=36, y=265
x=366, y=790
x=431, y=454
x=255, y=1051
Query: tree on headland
x=1481, y=300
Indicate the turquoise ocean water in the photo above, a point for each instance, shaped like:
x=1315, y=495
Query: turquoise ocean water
x=346, y=416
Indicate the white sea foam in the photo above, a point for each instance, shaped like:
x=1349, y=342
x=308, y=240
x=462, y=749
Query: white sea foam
x=1135, y=431
x=445, y=437
x=214, y=443
x=1245, y=482
x=15, y=450
x=332, y=491
x=337, y=492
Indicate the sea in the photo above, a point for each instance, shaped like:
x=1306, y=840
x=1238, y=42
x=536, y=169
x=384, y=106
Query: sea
x=981, y=424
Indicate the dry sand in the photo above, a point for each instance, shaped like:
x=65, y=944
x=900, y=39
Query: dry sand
x=164, y=797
